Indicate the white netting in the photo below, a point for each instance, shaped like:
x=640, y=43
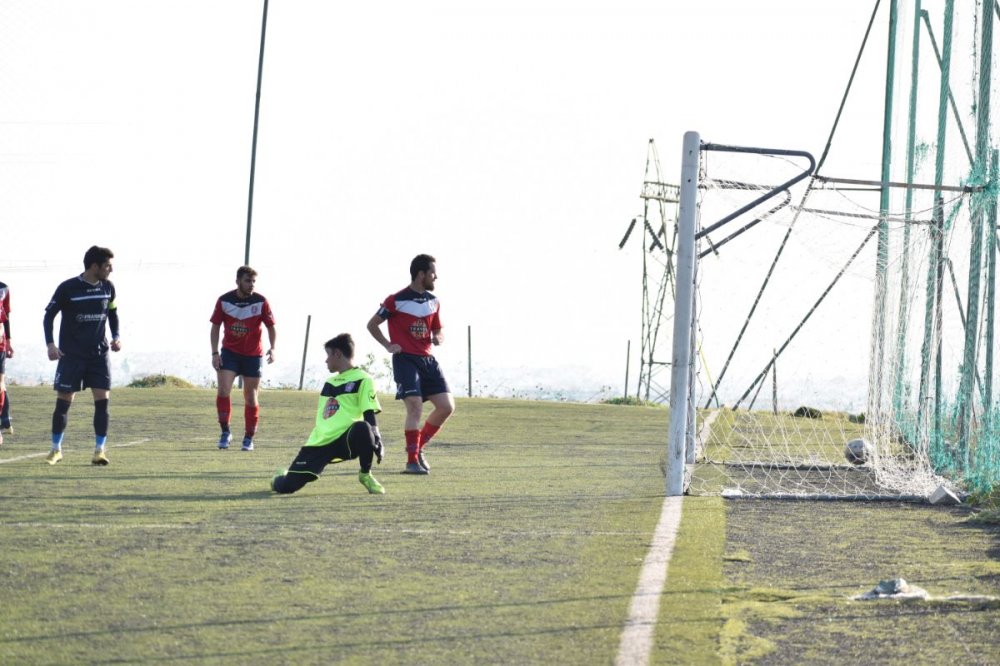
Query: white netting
x=877, y=318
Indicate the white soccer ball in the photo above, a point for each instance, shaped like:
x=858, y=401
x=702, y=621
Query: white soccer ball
x=857, y=451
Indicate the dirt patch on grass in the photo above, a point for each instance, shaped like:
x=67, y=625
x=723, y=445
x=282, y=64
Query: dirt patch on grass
x=794, y=566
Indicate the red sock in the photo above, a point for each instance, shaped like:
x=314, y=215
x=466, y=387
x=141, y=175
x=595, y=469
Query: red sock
x=223, y=407
x=3, y=398
x=428, y=431
x=251, y=414
x=412, y=444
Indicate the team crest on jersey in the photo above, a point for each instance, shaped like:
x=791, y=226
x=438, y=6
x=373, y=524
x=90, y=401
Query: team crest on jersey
x=239, y=328
x=418, y=329
x=332, y=406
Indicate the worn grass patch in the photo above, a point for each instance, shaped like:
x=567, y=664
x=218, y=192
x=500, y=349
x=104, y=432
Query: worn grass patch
x=805, y=560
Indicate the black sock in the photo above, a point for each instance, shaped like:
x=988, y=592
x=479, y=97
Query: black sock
x=60, y=417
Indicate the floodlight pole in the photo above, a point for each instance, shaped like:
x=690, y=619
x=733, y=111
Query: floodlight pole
x=253, y=149
x=683, y=315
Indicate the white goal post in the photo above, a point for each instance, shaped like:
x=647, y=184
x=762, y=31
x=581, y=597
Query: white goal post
x=682, y=414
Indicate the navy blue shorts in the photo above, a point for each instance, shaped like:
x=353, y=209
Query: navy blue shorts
x=75, y=374
x=244, y=366
x=417, y=375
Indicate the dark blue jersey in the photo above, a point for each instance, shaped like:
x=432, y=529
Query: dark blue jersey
x=86, y=310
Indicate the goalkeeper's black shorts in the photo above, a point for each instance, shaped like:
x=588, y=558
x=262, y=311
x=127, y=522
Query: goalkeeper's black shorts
x=313, y=459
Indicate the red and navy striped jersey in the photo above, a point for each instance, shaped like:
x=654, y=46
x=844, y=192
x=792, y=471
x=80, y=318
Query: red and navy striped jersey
x=241, y=320
x=87, y=310
x=412, y=317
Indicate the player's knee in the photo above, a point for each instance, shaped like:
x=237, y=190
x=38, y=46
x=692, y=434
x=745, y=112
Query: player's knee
x=445, y=408
x=361, y=435
x=290, y=483
x=414, y=406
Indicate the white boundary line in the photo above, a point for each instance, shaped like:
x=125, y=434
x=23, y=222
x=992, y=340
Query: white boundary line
x=637, y=636
x=45, y=453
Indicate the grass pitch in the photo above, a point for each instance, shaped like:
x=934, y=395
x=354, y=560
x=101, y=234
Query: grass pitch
x=522, y=546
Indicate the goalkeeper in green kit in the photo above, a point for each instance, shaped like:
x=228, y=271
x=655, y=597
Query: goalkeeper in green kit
x=345, y=424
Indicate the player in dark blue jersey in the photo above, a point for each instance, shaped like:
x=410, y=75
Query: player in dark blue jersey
x=87, y=304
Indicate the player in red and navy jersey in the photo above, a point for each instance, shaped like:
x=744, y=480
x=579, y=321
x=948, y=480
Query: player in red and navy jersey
x=241, y=313
x=88, y=307
x=6, y=351
x=414, y=326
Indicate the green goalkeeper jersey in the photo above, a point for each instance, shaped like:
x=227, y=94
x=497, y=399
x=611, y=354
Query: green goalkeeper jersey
x=344, y=399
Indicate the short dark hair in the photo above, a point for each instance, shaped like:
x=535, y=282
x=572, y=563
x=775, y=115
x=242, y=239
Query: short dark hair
x=245, y=270
x=344, y=342
x=96, y=255
x=421, y=262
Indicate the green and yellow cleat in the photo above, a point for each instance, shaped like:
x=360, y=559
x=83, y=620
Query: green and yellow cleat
x=53, y=457
x=99, y=458
x=371, y=483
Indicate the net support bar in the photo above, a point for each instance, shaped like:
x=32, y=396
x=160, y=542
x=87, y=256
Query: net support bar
x=680, y=370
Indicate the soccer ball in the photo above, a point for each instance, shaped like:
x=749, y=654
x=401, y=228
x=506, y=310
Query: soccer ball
x=857, y=451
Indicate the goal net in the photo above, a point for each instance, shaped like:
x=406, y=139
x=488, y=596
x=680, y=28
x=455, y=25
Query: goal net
x=842, y=339
x=838, y=335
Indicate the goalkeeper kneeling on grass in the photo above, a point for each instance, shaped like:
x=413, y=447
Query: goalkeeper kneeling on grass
x=345, y=424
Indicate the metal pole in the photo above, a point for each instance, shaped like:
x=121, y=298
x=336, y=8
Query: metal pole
x=305, y=348
x=774, y=382
x=938, y=320
x=683, y=315
x=469, y=351
x=882, y=261
x=690, y=445
x=902, y=322
x=932, y=323
x=991, y=276
x=253, y=149
x=628, y=354
x=966, y=396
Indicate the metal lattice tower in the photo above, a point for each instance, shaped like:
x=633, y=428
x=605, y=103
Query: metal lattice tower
x=659, y=235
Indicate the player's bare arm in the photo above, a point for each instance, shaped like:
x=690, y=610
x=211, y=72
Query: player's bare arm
x=272, y=337
x=373, y=327
x=214, y=337
x=437, y=337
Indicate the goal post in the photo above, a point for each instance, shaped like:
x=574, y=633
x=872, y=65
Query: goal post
x=682, y=358
x=797, y=290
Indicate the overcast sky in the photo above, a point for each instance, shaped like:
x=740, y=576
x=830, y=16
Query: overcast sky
x=508, y=139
